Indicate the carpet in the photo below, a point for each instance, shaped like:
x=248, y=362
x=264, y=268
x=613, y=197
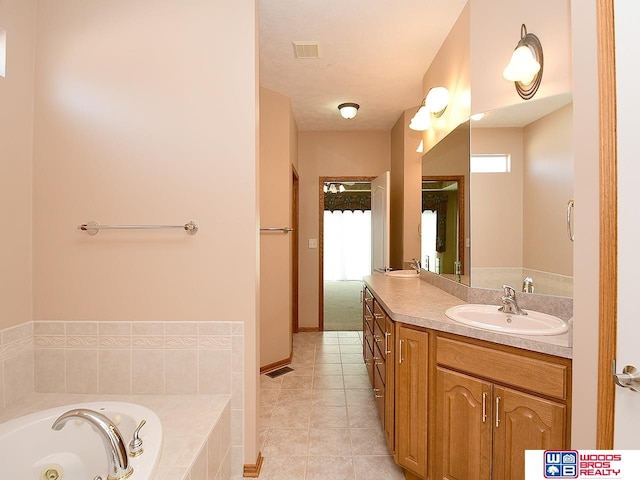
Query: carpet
x=342, y=306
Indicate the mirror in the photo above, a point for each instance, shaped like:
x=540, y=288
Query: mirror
x=519, y=215
x=445, y=199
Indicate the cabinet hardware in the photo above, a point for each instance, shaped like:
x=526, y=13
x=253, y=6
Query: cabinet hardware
x=497, y=412
x=375, y=393
x=377, y=338
x=570, y=206
x=484, y=407
x=379, y=363
x=377, y=315
x=386, y=343
x=400, y=352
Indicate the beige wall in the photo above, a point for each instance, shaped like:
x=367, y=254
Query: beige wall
x=338, y=153
x=547, y=187
x=18, y=18
x=144, y=115
x=586, y=247
x=276, y=129
x=451, y=69
x=495, y=32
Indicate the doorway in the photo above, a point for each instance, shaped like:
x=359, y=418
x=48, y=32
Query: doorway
x=344, y=250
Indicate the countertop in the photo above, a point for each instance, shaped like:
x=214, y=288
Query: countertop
x=416, y=302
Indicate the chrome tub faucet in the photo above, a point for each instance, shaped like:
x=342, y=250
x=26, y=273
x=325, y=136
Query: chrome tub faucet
x=509, y=302
x=415, y=264
x=115, y=449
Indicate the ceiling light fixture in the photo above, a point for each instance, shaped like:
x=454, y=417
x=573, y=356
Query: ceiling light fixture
x=437, y=100
x=333, y=188
x=526, y=65
x=348, y=110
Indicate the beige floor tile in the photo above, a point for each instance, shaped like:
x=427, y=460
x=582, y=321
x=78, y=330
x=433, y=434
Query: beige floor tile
x=363, y=416
x=300, y=370
x=268, y=383
x=328, y=348
x=328, y=358
x=350, y=348
x=269, y=397
x=354, y=369
x=286, y=442
x=377, y=468
x=356, y=381
x=348, y=334
x=328, y=382
x=290, y=417
x=350, y=341
x=330, y=468
x=329, y=417
x=351, y=358
x=264, y=415
x=329, y=442
x=328, y=397
x=329, y=340
x=300, y=382
x=368, y=441
x=294, y=397
x=327, y=369
x=360, y=397
x=283, y=468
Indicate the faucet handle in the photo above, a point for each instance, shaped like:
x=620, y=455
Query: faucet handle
x=135, y=445
x=509, y=291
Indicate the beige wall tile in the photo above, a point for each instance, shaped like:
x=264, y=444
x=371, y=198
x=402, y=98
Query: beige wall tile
x=18, y=377
x=114, y=370
x=49, y=328
x=214, y=454
x=16, y=333
x=147, y=328
x=82, y=328
x=181, y=371
x=214, y=375
x=214, y=328
x=114, y=328
x=49, y=370
x=181, y=328
x=1, y=385
x=147, y=371
x=82, y=371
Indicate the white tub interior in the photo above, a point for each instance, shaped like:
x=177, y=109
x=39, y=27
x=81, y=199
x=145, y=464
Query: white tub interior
x=31, y=450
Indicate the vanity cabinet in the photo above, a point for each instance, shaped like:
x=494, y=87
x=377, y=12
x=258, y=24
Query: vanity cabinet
x=492, y=405
x=412, y=398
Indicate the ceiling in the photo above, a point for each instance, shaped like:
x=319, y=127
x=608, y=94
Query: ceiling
x=372, y=52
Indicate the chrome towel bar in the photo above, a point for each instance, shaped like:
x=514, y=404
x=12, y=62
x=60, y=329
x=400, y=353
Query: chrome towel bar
x=277, y=229
x=92, y=227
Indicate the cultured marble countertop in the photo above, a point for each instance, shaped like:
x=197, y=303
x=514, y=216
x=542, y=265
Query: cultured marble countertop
x=416, y=302
x=187, y=421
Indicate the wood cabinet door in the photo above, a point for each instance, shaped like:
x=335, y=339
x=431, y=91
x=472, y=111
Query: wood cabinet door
x=411, y=400
x=523, y=422
x=463, y=427
x=389, y=400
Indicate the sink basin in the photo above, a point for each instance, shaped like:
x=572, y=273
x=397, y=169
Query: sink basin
x=489, y=318
x=402, y=274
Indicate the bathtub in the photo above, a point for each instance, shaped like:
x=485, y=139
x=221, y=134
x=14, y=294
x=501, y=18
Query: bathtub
x=31, y=450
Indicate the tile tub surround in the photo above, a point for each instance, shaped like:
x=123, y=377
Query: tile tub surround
x=148, y=358
x=418, y=302
x=320, y=422
x=16, y=364
x=196, y=429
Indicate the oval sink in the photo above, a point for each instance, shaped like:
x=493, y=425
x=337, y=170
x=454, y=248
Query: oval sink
x=489, y=318
x=402, y=274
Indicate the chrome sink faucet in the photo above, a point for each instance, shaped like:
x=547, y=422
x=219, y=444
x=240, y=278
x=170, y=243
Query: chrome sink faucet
x=509, y=302
x=117, y=459
x=415, y=264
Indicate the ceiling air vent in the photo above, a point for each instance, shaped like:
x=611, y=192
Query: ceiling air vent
x=307, y=49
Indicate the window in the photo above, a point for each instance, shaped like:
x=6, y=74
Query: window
x=3, y=52
x=494, y=163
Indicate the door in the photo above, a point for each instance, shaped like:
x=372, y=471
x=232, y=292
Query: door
x=463, y=427
x=380, y=198
x=411, y=400
x=523, y=422
x=627, y=403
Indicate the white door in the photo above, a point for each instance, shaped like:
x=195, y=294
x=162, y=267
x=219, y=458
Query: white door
x=627, y=409
x=380, y=198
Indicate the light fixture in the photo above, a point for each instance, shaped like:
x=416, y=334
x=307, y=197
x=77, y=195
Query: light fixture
x=437, y=100
x=420, y=148
x=348, y=110
x=333, y=188
x=421, y=121
x=477, y=117
x=526, y=65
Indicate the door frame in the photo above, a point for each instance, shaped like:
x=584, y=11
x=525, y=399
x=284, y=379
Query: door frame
x=608, y=223
x=295, y=250
x=321, y=182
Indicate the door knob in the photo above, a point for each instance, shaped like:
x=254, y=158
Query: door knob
x=629, y=378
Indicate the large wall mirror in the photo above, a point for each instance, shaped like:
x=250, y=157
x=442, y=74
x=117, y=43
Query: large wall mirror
x=512, y=220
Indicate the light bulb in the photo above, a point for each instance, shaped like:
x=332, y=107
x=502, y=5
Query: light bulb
x=437, y=99
x=522, y=67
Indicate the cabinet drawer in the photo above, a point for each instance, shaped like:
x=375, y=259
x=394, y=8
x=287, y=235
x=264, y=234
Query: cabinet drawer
x=368, y=299
x=379, y=392
x=379, y=314
x=368, y=320
x=378, y=338
x=528, y=373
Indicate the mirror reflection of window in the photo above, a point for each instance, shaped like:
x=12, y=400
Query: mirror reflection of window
x=494, y=163
x=428, y=239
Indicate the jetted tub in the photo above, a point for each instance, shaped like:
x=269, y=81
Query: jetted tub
x=31, y=450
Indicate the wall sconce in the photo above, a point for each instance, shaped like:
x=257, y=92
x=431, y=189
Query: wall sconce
x=421, y=121
x=437, y=100
x=348, y=110
x=526, y=65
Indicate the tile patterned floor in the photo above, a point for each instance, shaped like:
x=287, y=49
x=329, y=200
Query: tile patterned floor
x=320, y=422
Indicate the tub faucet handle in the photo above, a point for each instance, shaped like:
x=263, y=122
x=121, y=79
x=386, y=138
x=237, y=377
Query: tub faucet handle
x=135, y=445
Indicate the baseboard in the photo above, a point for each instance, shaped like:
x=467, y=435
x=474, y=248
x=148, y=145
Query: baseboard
x=275, y=365
x=252, y=470
x=308, y=329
